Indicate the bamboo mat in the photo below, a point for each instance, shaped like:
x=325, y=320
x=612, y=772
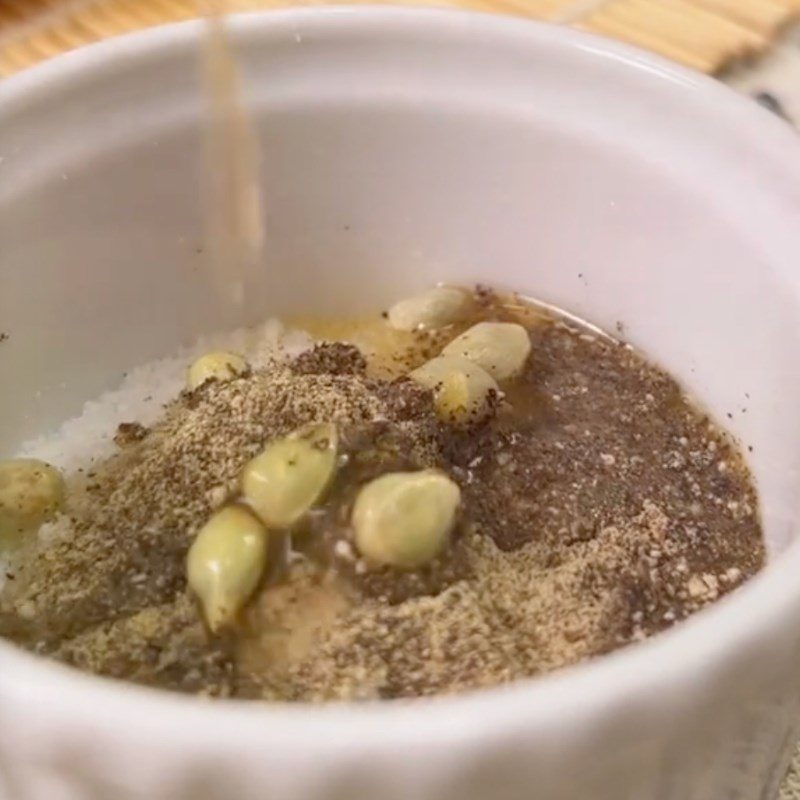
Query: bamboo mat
x=707, y=35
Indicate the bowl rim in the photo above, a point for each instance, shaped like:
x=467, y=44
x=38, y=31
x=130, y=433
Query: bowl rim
x=634, y=675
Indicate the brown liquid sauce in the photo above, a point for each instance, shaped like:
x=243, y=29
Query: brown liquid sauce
x=234, y=215
x=590, y=438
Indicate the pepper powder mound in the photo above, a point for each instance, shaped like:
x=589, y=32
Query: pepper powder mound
x=516, y=615
x=121, y=546
x=599, y=506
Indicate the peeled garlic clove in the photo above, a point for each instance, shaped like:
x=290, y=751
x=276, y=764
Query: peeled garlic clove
x=433, y=309
x=403, y=519
x=31, y=492
x=225, y=564
x=501, y=348
x=461, y=389
x=218, y=365
x=290, y=475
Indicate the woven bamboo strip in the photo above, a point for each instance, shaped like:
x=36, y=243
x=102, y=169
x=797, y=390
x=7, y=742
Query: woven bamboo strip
x=704, y=34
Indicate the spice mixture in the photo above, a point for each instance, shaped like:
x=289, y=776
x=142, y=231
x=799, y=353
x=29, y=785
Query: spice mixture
x=598, y=505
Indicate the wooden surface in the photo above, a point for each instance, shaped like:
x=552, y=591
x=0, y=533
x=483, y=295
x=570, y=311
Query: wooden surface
x=707, y=35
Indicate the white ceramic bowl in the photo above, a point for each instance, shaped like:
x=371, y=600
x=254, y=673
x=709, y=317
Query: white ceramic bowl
x=400, y=148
